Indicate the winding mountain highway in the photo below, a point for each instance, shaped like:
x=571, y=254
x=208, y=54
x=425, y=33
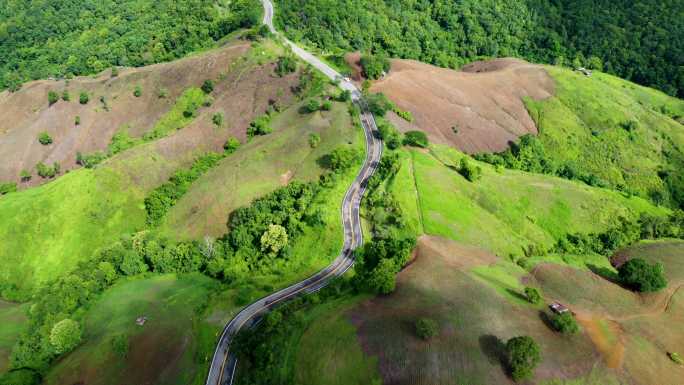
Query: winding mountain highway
x=224, y=363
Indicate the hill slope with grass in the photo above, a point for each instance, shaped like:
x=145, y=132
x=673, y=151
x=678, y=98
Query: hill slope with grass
x=600, y=129
x=46, y=230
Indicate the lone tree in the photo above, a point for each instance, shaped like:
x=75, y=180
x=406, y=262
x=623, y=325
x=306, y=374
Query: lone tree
x=65, y=335
x=565, y=323
x=523, y=355
x=44, y=138
x=274, y=239
x=469, y=171
x=426, y=328
x=532, y=295
x=641, y=276
x=416, y=139
x=208, y=86
x=52, y=97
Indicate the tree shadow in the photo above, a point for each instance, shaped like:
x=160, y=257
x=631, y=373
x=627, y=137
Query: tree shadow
x=494, y=349
x=604, y=273
x=324, y=161
x=546, y=319
x=516, y=294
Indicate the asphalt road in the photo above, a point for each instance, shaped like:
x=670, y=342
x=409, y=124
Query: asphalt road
x=224, y=363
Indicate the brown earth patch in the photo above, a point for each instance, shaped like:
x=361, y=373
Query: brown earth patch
x=483, y=101
x=353, y=59
x=286, y=177
x=242, y=91
x=608, y=337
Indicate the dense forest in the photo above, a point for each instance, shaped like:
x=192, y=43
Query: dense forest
x=39, y=39
x=639, y=40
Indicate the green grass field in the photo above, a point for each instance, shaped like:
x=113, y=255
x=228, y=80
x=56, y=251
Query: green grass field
x=505, y=211
x=162, y=351
x=13, y=320
x=583, y=124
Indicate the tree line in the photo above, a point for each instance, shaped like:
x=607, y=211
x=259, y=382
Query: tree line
x=637, y=40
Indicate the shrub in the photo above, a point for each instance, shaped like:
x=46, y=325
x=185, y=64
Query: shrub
x=120, y=345
x=342, y=159
x=389, y=134
x=344, y=96
x=77, y=120
x=416, y=139
x=137, y=92
x=231, y=145
x=217, y=119
x=65, y=96
x=162, y=93
x=121, y=141
x=641, y=276
x=52, y=97
x=426, y=328
x=90, y=160
x=259, y=126
x=65, y=335
x=83, y=98
x=406, y=115
x=45, y=171
x=523, y=355
x=532, y=295
x=469, y=171
x=7, y=187
x=115, y=71
x=676, y=358
x=378, y=104
x=25, y=175
x=286, y=65
x=374, y=66
x=44, y=138
x=564, y=323
x=312, y=105
x=314, y=139
x=326, y=105
x=208, y=86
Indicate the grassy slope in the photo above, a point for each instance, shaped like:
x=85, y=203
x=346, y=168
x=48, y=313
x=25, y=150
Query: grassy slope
x=12, y=319
x=161, y=351
x=582, y=124
x=256, y=168
x=503, y=212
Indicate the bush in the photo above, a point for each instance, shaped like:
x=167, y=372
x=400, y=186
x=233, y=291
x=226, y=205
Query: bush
x=314, y=139
x=378, y=104
x=406, y=115
x=90, y=160
x=389, y=134
x=469, y=171
x=374, y=66
x=523, y=355
x=231, y=145
x=286, y=65
x=342, y=158
x=120, y=345
x=344, y=96
x=20, y=377
x=52, y=97
x=208, y=86
x=641, y=276
x=676, y=358
x=426, y=328
x=564, y=323
x=65, y=335
x=83, y=98
x=326, y=105
x=259, y=126
x=416, y=139
x=217, y=119
x=45, y=171
x=65, y=96
x=137, y=92
x=312, y=105
x=532, y=295
x=77, y=120
x=44, y=138
x=25, y=175
x=7, y=187
x=115, y=71
x=163, y=93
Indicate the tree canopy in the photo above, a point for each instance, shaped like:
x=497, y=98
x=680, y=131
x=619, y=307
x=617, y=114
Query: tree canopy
x=638, y=40
x=642, y=276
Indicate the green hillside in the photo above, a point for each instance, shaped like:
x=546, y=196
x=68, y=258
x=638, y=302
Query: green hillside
x=72, y=37
x=607, y=132
x=637, y=40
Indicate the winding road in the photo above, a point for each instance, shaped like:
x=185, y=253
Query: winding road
x=224, y=363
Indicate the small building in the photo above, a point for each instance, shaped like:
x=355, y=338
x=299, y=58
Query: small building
x=558, y=308
x=140, y=321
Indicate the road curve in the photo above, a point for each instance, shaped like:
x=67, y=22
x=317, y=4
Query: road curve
x=223, y=363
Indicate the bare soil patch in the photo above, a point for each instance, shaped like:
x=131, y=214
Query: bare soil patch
x=477, y=109
x=242, y=92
